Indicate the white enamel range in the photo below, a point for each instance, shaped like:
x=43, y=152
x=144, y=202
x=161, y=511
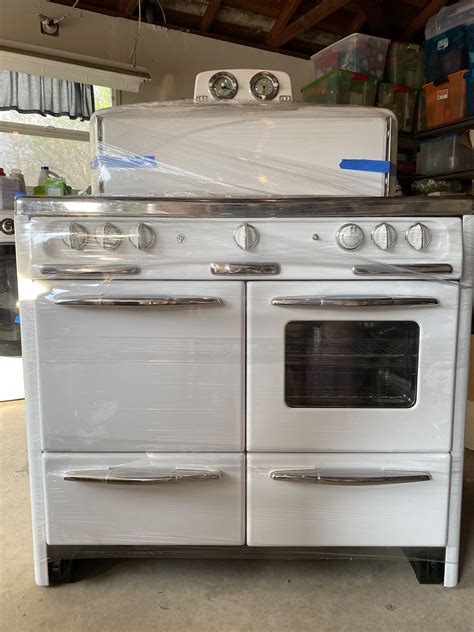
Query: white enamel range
x=179, y=348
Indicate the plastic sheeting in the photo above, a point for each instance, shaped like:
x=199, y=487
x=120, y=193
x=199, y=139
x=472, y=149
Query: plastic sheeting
x=187, y=149
x=161, y=395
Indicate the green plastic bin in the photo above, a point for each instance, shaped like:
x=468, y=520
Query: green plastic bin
x=402, y=101
x=341, y=87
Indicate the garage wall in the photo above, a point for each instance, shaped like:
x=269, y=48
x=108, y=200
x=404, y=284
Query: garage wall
x=172, y=58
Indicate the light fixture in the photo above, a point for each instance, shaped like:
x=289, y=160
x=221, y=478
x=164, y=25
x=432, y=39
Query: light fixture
x=49, y=26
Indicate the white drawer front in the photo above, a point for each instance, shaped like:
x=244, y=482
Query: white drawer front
x=200, y=508
x=297, y=513
x=119, y=378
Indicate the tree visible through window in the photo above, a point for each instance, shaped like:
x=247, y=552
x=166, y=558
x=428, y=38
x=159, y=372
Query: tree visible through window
x=66, y=156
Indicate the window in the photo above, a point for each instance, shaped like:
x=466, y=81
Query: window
x=28, y=141
x=351, y=364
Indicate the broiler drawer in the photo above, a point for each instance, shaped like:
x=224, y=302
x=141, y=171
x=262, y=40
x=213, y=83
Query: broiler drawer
x=347, y=500
x=144, y=498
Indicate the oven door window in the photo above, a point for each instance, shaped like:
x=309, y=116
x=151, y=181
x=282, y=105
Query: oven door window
x=351, y=364
x=10, y=344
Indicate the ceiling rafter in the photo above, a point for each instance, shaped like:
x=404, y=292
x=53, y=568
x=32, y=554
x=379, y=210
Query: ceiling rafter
x=419, y=22
x=309, y=19
x=357, y=23
x=282, y=20
x=209, y=15
x=375, y=18
x=127, y=7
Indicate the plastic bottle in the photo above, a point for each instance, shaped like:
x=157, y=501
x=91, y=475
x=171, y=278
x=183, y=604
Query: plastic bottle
x=2, y=173
x=40, y=189
x=18, y=174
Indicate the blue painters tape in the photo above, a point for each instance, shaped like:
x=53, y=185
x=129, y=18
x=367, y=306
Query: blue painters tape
x=125, y=162
x=17, y=319
x=374, y=166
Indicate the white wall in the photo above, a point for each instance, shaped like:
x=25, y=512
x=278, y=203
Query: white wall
x=172, y=58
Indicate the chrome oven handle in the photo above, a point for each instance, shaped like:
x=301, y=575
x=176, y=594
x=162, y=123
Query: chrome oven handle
x=85, y=270
x=353, y=301
x=131, y=477
x=394, y=269
x=318, y=477
x=253, y=269
x=155, y=301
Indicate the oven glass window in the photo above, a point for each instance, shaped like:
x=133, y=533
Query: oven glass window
x=351, y=364
x=10, y=344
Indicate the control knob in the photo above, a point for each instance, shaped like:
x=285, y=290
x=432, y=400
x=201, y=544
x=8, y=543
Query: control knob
x=246, y=236
x=349, y=237
x=7, y=226
x=142, y=236
x=108, y=236
x=75, y=236
x=418, y=236
x=384, y=236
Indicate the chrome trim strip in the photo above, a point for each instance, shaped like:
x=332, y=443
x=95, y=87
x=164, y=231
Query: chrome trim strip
x=156, y=301
x=245, y=208
x=395, y=269
x=352, y=301
x=84, y=270
x=253, y=269
x=319, y=478
x=107, y=476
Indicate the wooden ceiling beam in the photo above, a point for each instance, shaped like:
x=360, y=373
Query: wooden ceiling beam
x=309, y=19
x=209, y=15
x=374, y=14
x=419, y=22
x=356, y=23
x=282, y=20
x=127, y=7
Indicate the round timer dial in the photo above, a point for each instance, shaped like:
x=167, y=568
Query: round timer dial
x=349, y=237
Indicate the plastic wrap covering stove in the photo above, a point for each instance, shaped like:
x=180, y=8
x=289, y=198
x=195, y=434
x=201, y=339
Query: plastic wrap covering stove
x=240, y=375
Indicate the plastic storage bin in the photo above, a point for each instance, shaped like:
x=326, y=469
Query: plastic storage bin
x=447, y=53
x=445, y=155
x=446, y=102
x=357, y=52
x=420, y=114
x=469, y=77
x=405, y=64
x=341, y=87
x=401, y=100
x=449, y=17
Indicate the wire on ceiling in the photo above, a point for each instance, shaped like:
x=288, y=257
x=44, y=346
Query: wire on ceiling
x=58, y=20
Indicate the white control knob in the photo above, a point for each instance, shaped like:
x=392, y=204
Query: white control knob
x=108, y=236
x=418, y=236
x=349, y=237
x=75, y=236
x=246, y=236
x=384, y=236
x=142, y=236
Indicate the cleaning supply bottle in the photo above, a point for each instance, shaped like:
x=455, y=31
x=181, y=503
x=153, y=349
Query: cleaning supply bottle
x=40, y=189
x=55, y=185
x=18, y=174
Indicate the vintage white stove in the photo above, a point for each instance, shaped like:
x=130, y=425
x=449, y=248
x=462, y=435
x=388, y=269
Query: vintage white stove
x=242, y=377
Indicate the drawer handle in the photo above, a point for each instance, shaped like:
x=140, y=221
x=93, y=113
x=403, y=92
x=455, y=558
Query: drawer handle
x=254, y=269
x=353, y=301
x=84, y=270
x=394, y=269
x=319, y=478
x=156, y=301
x=116, y=476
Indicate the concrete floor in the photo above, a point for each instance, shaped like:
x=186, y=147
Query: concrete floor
x=184, y=595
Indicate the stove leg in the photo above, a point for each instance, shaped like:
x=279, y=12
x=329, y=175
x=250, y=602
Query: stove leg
x=60, y=571
x=427, y=569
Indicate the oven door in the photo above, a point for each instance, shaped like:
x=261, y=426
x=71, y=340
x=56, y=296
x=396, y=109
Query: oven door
x=138, y=366
x=351, y=365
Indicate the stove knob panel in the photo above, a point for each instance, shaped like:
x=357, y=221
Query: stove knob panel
x=75, y=236
x=418, y=236
x=384, y=236
x=108, y=236
x=349, y=237
x=246, y=236
x=142, y=236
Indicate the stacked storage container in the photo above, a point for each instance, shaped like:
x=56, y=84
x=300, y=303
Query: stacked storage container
x=403, y=80
x=348, y=71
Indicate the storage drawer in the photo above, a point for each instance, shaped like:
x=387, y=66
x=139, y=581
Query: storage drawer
x=136, y=498
x=286, y=506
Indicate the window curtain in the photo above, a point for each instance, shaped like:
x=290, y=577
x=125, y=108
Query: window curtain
x=31, y=94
